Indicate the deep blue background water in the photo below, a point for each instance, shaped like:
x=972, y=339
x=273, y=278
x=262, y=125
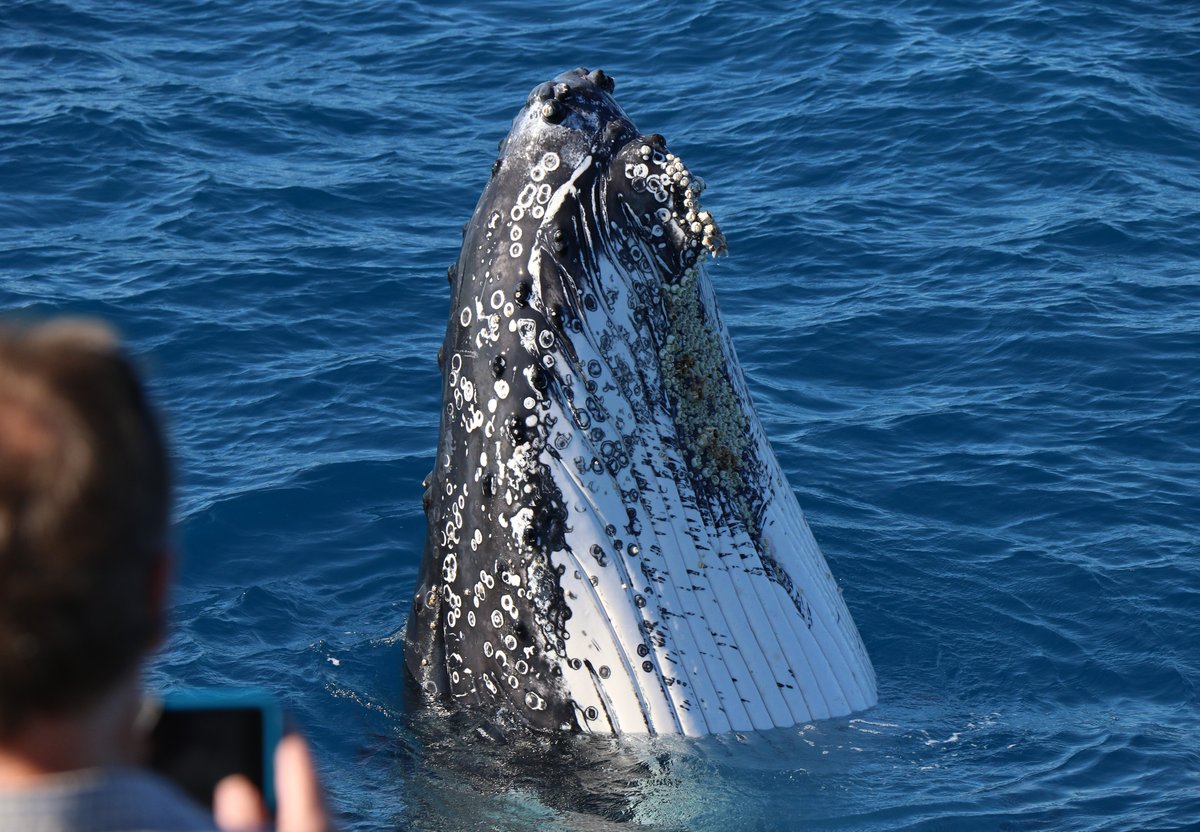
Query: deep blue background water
x=964, y=284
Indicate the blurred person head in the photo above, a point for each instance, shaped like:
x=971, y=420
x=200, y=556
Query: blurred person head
x=84, y=510
x=84, y=518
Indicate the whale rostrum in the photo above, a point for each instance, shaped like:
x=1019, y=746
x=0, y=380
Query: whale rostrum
x=612, y=545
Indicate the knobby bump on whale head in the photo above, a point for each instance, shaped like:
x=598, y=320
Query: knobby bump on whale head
x=612, y=546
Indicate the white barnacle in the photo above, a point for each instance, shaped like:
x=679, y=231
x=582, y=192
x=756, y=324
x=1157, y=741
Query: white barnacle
x=514, y=233
x=497, y=299
x=527, y=328
x=501, y=387
x=550, y=160
x=538, y=173
x=515, y=250
x=464, y=317
x=527, y=195
x=520, y=522
x=497, y=619
x=489, y=329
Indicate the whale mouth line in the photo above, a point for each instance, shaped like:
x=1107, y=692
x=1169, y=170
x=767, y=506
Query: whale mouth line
x=611, y=544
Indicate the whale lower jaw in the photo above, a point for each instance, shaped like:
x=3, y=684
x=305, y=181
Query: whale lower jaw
x=690, y=613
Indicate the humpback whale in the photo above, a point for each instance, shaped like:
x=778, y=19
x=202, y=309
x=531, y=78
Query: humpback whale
x=612, y=546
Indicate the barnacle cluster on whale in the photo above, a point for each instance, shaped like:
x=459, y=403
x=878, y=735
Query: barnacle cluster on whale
x=611, y=545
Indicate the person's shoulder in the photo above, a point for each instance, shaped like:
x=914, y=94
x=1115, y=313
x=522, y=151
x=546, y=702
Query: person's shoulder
x=118, y=800
x=166, y=804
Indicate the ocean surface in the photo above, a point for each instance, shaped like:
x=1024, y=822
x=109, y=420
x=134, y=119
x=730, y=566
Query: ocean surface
x=964, y=282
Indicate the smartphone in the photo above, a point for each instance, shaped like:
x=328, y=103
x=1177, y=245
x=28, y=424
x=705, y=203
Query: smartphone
x=202, y=735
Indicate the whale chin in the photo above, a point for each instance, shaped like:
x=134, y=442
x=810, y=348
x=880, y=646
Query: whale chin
x=612, y=546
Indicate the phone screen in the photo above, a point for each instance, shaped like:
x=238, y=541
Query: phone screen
x=202, y=737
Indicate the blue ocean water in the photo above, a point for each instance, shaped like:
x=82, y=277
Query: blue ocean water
x=963, y=282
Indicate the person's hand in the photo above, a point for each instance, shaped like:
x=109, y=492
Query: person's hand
x=238, y=807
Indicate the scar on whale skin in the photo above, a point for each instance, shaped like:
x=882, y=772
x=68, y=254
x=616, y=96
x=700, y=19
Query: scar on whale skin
x=611, y=544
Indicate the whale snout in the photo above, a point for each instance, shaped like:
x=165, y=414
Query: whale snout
x=599, y=78
x=586, y=94
x=577, y=78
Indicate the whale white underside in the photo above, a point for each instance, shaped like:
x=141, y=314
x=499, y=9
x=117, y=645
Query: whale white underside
x=728, y=648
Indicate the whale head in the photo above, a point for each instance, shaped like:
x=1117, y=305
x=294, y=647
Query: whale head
x=611, y=545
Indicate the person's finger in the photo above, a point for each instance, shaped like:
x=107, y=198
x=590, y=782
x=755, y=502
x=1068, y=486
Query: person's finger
x=300, y=806
x=237, y=805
